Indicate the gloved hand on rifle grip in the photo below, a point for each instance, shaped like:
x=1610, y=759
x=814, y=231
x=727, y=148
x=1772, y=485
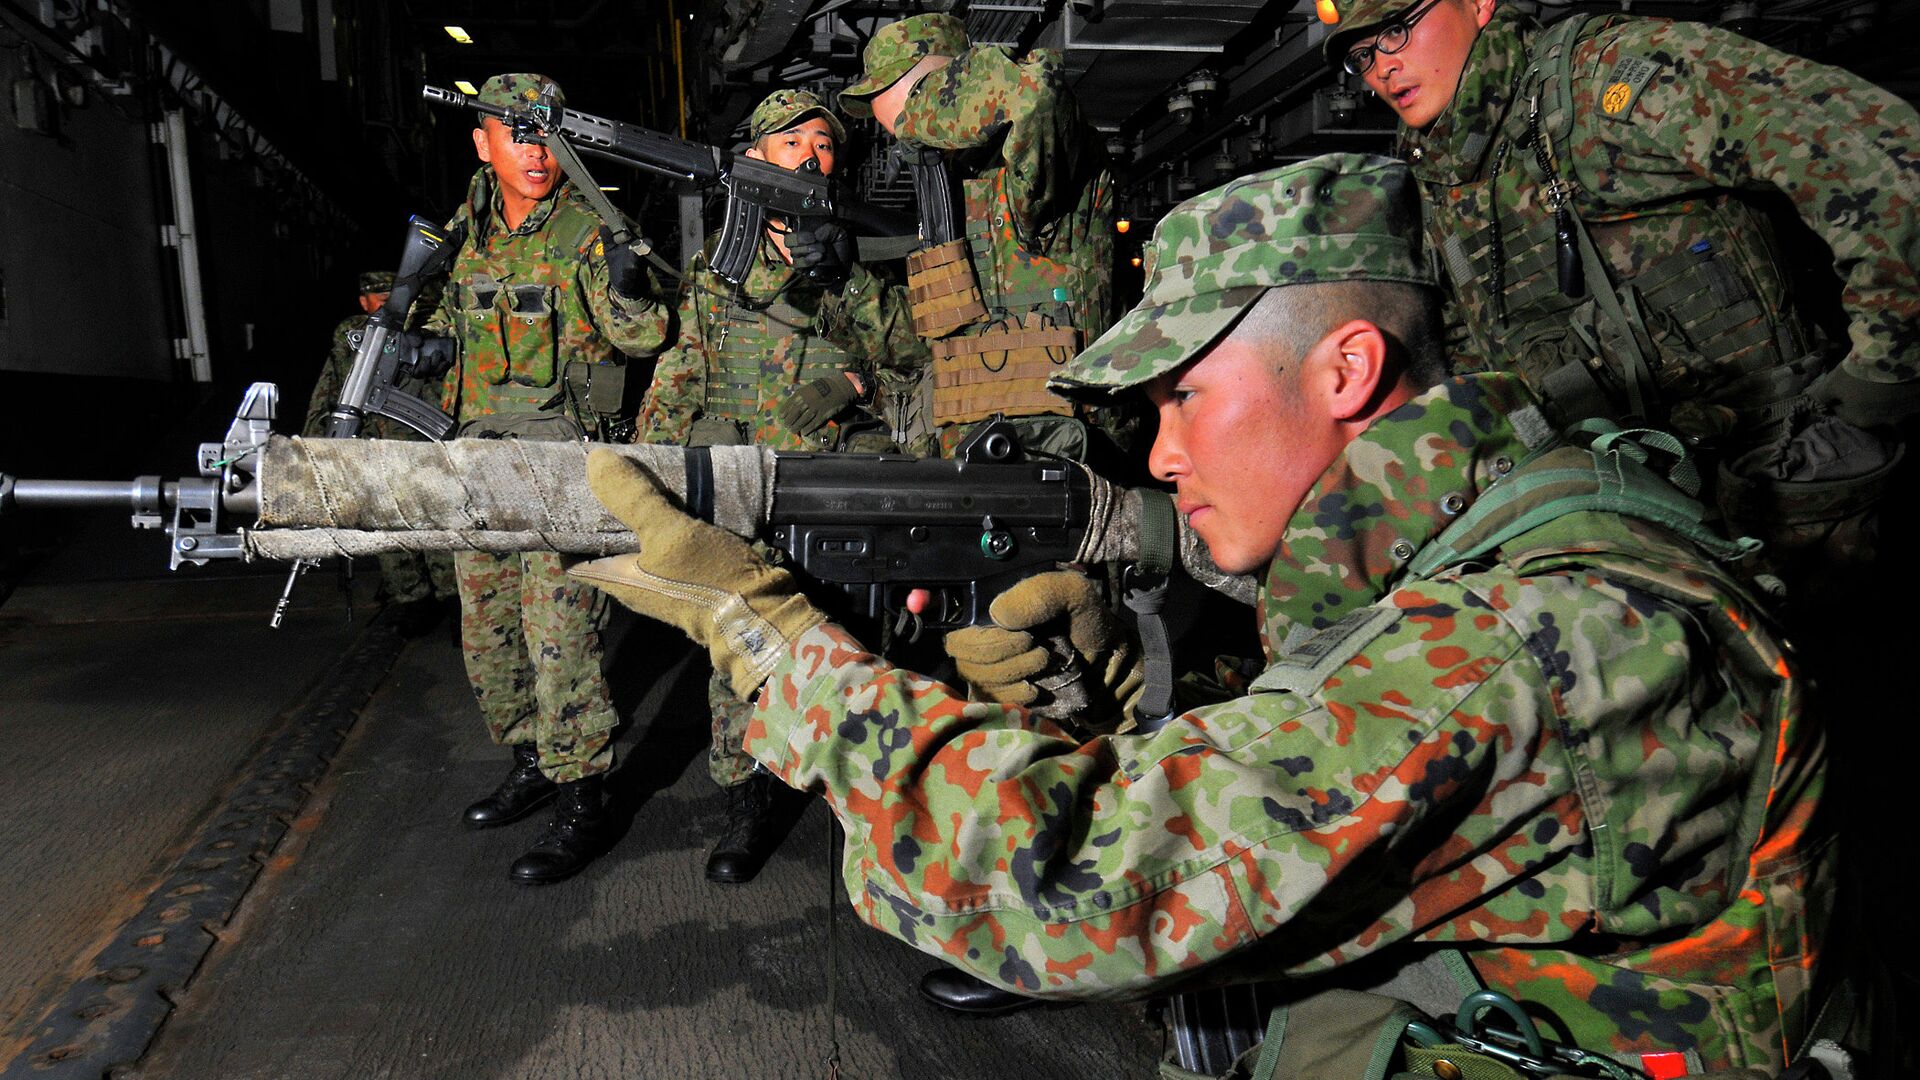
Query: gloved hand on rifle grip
x=810, y=407
x=428, y=355
x=626, y=275
x=823, y=250
x=702, y=579
x=1009, y=662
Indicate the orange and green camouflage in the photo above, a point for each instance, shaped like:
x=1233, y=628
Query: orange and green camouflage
x=1579, y=759
x=743, y=350
x=1669, y=132
x=1340, y=217
x=1039, y=212
x=894, y=49
x=526, y=303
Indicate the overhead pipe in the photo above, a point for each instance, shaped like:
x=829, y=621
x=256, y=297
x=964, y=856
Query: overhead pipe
x=184, y=237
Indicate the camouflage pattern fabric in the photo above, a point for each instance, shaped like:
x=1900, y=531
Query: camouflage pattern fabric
x=1040, y=211
x=894, y=49
x=531, y=637
x=404, y=575
x=1580, y=759
x=783, y=109
x=519, y=89
x=866, y=327
x=1673, y=124
x=1339, y=217
x=525, y=303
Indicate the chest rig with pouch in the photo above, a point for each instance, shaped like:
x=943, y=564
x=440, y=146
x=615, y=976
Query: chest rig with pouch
x=1672, y=310
x=757, y=355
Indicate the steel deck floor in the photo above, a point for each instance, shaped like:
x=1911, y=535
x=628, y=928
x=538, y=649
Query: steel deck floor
x=383, y=939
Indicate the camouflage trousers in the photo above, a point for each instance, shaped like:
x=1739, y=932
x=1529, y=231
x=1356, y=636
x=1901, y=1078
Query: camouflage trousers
x=727, y=759
x=531, y=636
x=406, y=576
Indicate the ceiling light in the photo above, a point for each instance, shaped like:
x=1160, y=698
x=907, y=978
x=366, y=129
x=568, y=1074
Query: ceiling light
x=458, y=34
x=1123, y=225
x=466, y=87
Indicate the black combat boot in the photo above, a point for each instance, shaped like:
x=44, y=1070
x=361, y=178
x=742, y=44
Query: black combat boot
x=951, y=988
x=570, y=841
x=518, y=795
x=759, y=811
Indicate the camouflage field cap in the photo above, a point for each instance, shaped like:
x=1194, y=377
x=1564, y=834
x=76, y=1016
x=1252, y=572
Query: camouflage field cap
x=376, y=281
x=520, y=88
x=1340, y=217
x=1349, y=20
x=896, y=47
x=783, y=109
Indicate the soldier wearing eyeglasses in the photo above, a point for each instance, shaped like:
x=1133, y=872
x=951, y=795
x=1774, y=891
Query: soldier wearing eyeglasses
x=1598, y=196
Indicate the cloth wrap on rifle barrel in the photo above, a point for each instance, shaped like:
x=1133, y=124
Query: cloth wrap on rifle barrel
x=326, y=497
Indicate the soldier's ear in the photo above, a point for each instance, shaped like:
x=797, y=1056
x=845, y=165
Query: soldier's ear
x=480, y=146
x=1356, y=369
x=1483, y=11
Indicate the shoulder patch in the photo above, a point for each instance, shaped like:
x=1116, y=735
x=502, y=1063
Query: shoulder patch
x=1623, y=86
x=1307, y=666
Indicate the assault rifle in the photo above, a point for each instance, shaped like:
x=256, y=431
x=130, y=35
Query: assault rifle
x=871, y=527
x=385, y=353
x=754, y=188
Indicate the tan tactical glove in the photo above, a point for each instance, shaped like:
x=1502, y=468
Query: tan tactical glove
x=704, y=580
x=1007, y=664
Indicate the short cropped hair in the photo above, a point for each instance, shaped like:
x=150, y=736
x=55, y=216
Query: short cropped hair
x=1296, y=317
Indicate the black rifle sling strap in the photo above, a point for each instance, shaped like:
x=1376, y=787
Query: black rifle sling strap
x=1144, y=586
x=617, y=223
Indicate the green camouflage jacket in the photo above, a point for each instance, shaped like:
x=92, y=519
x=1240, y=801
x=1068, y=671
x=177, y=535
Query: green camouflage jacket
x=333, y=378
x=799, y=333
x=529, y=302
x=1033, y=175
x=1577, y=758
x=1678, y=132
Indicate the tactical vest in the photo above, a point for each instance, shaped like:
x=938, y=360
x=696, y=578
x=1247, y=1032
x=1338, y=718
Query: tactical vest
x=510, y=334
x=1039, y=311
x=741, y=385
x=1696, y=334
x=1759, y=947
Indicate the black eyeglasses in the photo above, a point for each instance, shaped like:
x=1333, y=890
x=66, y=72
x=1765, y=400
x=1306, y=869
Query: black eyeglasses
x=1391, y=39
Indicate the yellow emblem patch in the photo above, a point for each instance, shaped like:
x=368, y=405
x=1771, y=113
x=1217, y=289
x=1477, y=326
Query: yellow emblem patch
x=1616, y=97
x=1623, y=87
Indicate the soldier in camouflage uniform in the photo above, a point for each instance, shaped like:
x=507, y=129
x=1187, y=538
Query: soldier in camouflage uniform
x=1635, y=153
x=1039, y=230
x=417, y=583
x=540, y=306
x=1506, y=716
x=777, y=361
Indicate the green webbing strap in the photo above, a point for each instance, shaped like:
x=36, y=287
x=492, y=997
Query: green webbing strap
x=1159, y=532
x=1269, y=1058
x=1615, y=480
x=870, y=249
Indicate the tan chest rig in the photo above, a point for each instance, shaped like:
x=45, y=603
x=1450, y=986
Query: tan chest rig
x=998, y=328
x=1692, y=335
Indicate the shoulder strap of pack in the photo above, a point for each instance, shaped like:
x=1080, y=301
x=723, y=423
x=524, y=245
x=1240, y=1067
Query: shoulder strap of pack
x=1550, y=74
x=1612, y=474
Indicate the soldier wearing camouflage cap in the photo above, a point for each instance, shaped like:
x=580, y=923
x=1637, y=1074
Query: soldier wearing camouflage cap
x=1637, y=271
x=1506, y=716
x=418, y=584
x=1039, y=254
x=786, y=360
x=546, y=313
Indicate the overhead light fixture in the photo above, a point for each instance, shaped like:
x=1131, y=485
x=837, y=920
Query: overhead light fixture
x=1135, y=260
x=459, y=34
x=1123, y=225
x=465, y=87
x=609, y=187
